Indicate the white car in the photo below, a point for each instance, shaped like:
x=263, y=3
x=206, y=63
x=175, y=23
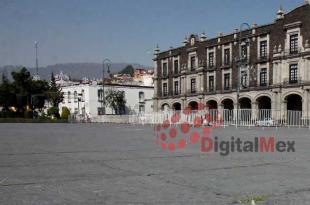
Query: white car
x=266, y=122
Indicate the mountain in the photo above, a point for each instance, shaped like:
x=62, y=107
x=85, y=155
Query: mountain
x=74, y=70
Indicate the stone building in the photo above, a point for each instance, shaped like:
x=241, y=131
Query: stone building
x=275, y=71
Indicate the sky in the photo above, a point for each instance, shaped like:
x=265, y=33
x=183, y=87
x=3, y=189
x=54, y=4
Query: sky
x=72, y=31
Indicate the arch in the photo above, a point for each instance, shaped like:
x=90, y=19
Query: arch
x=228, y=104
x=263, y=102
x=176, y=106
x=246, y=96
x=228, y=97
x=262, y=95
x=165, y=107
x=294, y=102
x=245, y=103
x=291, y=93
x=193, y=105
x=264, y=107
x=294, y=108
x=211, y=104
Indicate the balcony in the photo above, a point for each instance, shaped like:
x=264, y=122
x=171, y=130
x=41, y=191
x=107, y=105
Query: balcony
x=295, y=81
x=263, y=59
x=292, y=52
x=211, y=67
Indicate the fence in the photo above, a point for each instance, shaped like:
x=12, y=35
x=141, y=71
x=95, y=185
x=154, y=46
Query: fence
x=223, y=117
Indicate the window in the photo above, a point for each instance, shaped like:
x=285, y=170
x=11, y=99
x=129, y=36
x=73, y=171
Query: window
x=263, y=49
x=141, y=108
x=211, y=59
x=211, y=83
x=141, y=96
x=293, y=73
x=193, y=85
x=75, y=96
x=226, y=56
x=176, y=87
x=83, y=96
x=244, y=79
x=263, y=77
x=244, y=52
x=226, y=81
x=100, y=95
x=76, y=111
x=294, y=43
x=176, y=66
x=69, y=97
x=165, y=89
x=165, y=69
x=193, y=63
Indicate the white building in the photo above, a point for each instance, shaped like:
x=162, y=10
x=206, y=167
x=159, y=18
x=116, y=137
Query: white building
x=86, y=99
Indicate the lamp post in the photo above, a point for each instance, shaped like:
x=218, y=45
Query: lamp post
x=240, y=63
x=106, y=63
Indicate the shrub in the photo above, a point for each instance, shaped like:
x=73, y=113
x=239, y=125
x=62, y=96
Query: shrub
x=65, y=112
x=28, y=114
x=53, y=112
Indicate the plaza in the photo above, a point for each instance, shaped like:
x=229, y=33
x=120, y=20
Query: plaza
x=121, y=164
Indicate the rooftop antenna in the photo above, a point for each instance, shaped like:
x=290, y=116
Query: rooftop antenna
x=36, y=76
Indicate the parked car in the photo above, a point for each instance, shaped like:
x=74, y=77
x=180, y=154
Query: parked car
x=267, y=122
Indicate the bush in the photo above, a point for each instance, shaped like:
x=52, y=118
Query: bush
x=65, y=112
x=28, y=114
x=8, y=114
x=53, y=112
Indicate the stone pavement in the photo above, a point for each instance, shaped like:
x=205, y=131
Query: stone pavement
x=121, y=164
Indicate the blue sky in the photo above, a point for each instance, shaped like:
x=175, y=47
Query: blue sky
x=122, y=30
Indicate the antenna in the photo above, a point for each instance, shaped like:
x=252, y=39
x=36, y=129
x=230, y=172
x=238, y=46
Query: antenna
x=36, y=76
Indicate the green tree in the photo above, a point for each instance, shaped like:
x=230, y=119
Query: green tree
x=65, y=112
x=54, y=93
x=7, y=95
x=116, y=100
x=128, y=70
x=24, y=93
x=22, y=86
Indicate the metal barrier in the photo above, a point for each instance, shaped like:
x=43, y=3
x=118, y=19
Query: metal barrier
x=223, y=117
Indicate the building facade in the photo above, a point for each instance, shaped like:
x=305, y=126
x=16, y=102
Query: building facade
x=86, y=99
x=275, y=73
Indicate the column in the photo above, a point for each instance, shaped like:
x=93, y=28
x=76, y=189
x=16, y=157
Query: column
x=274, y=106
x=254, y=110
x=284, y=110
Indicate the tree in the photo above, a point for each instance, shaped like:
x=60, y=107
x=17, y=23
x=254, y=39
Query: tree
x=22, y=87
x=65, y=113
x=54, y=93
x=116, y=100
x=24, y=94
x=128, y=70
x=7, y=96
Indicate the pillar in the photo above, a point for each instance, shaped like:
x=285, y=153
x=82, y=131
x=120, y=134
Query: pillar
x=254, y=110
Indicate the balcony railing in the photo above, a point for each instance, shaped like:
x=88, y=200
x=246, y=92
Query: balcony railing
x=292, y=51
x=292, y=81
x=263, y=58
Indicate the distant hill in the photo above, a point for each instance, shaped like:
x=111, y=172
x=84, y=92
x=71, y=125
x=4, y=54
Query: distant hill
x=74, y=70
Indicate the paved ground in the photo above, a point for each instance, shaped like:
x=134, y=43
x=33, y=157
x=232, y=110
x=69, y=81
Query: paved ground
x=120, y=164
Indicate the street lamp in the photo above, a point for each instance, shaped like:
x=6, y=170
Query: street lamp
x=105, y=64
x=240, y=63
